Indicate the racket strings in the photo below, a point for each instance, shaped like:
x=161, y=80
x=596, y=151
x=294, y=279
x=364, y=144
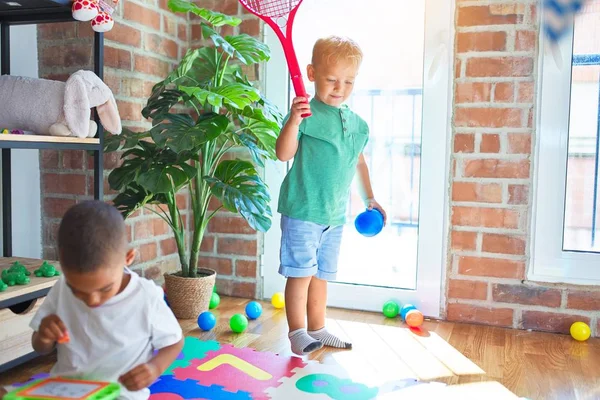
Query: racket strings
x=271, y=8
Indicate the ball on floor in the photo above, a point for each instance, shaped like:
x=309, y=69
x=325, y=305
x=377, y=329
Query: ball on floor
x=580, y=331
x=206, y=321
x=215, y=299
x=253, y=310
x=238, y=323
x=391, y=309
x=278, y=300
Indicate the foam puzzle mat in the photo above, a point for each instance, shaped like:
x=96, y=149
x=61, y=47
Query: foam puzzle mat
x=211, y=370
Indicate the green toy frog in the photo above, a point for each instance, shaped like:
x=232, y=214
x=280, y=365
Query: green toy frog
x=46, y=270
x=12, y=278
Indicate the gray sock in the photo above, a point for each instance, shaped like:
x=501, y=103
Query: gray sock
x=302, y=343
x=329, y=340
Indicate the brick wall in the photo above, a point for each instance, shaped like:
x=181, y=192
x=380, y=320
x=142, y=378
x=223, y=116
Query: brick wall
x=145, y=43
x=493, y=130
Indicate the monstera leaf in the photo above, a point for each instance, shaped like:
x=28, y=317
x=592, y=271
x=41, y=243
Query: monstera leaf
x=245, y=48
x=239, y=187
x=131, y=199
x=180, y=132
x=235, y=95
x=212, y=17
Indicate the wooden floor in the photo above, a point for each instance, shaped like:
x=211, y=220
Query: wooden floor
x=495, y=363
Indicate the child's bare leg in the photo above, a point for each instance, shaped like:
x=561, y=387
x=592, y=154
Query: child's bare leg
x=317, y=303
x=296, y=293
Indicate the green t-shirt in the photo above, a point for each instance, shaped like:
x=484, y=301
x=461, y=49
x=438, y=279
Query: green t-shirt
x=317, y=186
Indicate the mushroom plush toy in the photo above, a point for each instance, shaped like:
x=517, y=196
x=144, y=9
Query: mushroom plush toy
x=97, y=11
x=103, y=22
x=84, y=10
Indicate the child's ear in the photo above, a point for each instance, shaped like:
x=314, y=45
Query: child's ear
x=130, y=257
x=310, y=72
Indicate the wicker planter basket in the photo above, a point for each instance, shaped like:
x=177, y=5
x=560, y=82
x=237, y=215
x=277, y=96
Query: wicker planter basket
x=188, y=297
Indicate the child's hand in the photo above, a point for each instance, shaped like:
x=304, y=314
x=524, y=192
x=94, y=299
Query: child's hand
x=140, y=377
x=51, y=330
x=373, y=204
x=300, y=107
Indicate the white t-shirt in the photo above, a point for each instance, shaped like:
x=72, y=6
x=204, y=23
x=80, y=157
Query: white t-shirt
x=109, y=341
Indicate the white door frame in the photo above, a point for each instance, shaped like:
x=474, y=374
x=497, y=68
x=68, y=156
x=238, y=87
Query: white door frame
x=434, y=198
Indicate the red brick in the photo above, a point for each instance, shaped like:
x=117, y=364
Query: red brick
x=464, y=143
x=151, y=66
x=480, y=315
x=503, y=244
x=237, y=246
x=526, y=91
x=129, y=111
x=528, y=295
x=159, y=45
x=51, y=232
x=250, y=27
x=153, y=273
x=67, y=55
x=457, y=67
x=485, y=217
x=181, y=201
x=246, y=269
x=143, y=229
x=73, y=159
x=461, y=289
x=196, y=32
x=499, y=66
x=477, y=192
x=473, y=92
x=230, y=287
x=182, y=32
x=223, y=224
x=49, y=159
x=552, y=322
x=113, y=82
x=229, y=7
x=480, y=41
x=223, y=266
x=124, y=34
x=462, y=240
x=64, y=184
x=56, y=208
x=518, y=194
x=168, y=246
x=84, y=30
x=133, y=87
x=147, y=252
x=490, y=143
x=160, y=227
x=504, y=92
x=488, y=117
x=169, y=25
x=583, y=300
x=525, y=40
x=57, y=31
x=519, y=143
x=137, y=13
x=491, y=267
x=482, y=15
x=111, y=160
x=117, y=58
x=50, y=253
x=491, y=168
x=208, y=244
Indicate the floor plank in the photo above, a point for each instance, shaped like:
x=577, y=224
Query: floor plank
x=477, y=361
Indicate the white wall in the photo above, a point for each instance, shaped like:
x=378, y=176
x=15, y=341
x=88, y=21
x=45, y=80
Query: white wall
x=26, y=197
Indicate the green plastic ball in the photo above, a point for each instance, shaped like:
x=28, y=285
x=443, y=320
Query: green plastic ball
x=391, y=309
x=238, y=323
x=215, y=299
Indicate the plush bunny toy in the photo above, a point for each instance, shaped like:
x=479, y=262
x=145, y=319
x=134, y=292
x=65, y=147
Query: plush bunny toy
x=47, y=107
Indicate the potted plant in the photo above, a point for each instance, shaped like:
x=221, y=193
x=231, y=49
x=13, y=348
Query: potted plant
x=205, y=108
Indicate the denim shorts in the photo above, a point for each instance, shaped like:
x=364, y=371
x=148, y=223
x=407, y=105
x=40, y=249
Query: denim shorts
x=309, y=249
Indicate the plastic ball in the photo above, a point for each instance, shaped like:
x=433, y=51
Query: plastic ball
x=207, y=321
x=391, y=309
x=580, y=331
x=253, y=310
x=369, y=223
x=238, y=323
x=215, y=299
x=411, y=315
x=215, y=289
x=278, y=300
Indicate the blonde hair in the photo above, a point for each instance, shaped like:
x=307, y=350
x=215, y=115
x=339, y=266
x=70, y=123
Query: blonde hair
x=335, y=49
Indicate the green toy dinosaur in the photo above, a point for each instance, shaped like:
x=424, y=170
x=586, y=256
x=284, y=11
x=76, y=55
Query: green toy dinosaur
x=18, y=268
x=46, y=270
x=12, y=278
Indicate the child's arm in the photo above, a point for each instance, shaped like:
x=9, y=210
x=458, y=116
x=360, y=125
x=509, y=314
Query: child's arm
x=287, y=142
x=365, y=183
x=145, y=375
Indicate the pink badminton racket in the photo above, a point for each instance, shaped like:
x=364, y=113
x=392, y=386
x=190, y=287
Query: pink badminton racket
x=279, y=15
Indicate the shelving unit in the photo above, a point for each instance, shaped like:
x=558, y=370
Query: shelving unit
x=18, y=303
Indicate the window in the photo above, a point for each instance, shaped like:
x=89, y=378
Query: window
x=566, y=213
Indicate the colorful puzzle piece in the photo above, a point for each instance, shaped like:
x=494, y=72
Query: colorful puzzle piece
x=335, y=388
x=193, y=348
x=167, y=386
x=243, y=370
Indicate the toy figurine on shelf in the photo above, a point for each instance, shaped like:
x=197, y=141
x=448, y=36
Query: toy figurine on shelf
x=97, y=11
x=46, y=270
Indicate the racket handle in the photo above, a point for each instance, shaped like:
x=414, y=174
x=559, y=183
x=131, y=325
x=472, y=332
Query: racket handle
x=298, y=84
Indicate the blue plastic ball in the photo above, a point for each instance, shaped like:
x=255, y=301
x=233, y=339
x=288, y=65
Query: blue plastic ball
x=369, y=223
x=207, y=321
x=253, y=310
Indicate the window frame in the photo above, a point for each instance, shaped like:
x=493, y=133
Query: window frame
x=549, y=262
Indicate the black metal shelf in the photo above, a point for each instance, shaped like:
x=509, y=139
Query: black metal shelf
x=17, y=12
x=48, y=142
